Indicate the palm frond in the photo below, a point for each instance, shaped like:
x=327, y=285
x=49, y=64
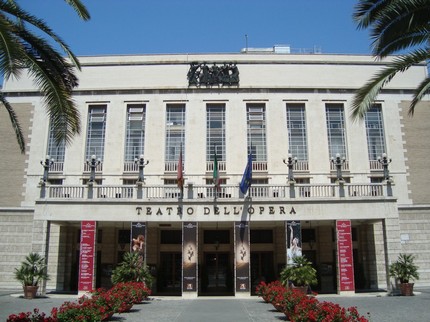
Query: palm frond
x=365, y=96
x=10, y=50
x=400, y=21
x=421, y=90
x=22, y=15
x=15, y=124
x=365, y=12
x=62, y=110
x=53, y=61
x=80, y=9
x=405, y=41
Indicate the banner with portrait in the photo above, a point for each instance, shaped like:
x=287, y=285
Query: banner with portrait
x=138, y=238
x=189, y=257
x=294, y=240
x=242, y=256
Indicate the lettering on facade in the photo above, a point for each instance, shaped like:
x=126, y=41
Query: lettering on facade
x=213, y=210
x=201, y=74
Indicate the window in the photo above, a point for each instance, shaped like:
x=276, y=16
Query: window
x=170, y=181
x=96, y=131
x=261, y=236
x=55, y=181
x=296, y=125
x=215, y=131
x=175, y=132
x=135, y=132
x=56, y=149
x=375, y=132
x=256, y=122
x=336, y=130
x=124, y=236
x=216, y=237
x=171, y=237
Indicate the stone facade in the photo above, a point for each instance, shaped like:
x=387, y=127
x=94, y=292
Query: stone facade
x=384, y=224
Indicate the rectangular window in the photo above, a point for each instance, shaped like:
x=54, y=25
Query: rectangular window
x=256, y=121
x=56, y=150
x=375, y=132
x=296, y=125
x=215, y=131
x=175, y=132
x=171, y=237
x=96, y=131
x=336, y=130
x=135, y=132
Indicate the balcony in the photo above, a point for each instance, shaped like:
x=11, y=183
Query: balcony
x=209, y=192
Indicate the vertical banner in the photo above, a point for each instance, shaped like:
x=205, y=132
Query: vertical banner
x=294, y=240
x=138, y=239
x=86, y=256
x=344, y=253
x=189, y=257
x=242, y=255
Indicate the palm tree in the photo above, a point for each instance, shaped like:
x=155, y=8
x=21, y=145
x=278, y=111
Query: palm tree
x=395, y=26
x=22, y=48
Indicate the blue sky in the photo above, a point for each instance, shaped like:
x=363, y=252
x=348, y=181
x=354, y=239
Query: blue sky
x=202, y=26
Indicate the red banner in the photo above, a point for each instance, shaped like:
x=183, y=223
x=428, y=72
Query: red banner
x=86, y=256
x=345, y=259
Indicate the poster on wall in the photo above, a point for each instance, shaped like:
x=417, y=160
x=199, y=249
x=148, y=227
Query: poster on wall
x=294, y=240
x=344, y=253
x=242, y=255
x=138, y=238
x=86, y=256
x=189, y=257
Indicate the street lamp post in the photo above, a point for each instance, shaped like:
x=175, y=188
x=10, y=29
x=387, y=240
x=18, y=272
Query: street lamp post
x=338, y=162
x=385, y=162
x=93, y=163
x=47, y=163
x=290, y=162
x=141, y=164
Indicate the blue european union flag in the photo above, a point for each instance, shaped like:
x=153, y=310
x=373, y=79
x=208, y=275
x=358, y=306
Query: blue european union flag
x=247, y=176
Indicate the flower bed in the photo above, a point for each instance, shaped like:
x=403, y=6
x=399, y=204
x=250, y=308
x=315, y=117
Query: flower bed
x=299, y=307
x=99, y=305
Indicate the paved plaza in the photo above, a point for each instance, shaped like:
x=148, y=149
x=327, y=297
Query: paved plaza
x=382, y=308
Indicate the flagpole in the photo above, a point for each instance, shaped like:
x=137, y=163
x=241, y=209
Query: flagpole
x=215, y=174
x=180, y=176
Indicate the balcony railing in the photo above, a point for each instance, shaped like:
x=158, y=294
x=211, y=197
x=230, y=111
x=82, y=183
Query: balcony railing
x=56, y=167
x=210, y=166
x=375, y=165
x=209, y=192
x=345, y=166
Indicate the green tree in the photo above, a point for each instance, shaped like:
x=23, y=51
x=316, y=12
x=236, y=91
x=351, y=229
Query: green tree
x=396, y=26
x=27, y=42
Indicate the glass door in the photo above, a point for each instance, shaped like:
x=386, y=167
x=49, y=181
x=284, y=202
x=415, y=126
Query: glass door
x=217, y=276
x=170, y=273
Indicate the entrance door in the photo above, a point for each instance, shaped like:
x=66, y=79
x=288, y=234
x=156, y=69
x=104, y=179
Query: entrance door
x=170, y=273
x=217, y=274
x=262, y=268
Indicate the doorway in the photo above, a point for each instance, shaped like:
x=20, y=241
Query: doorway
x=170, y=273
x=262, y=268
x=217, y=275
